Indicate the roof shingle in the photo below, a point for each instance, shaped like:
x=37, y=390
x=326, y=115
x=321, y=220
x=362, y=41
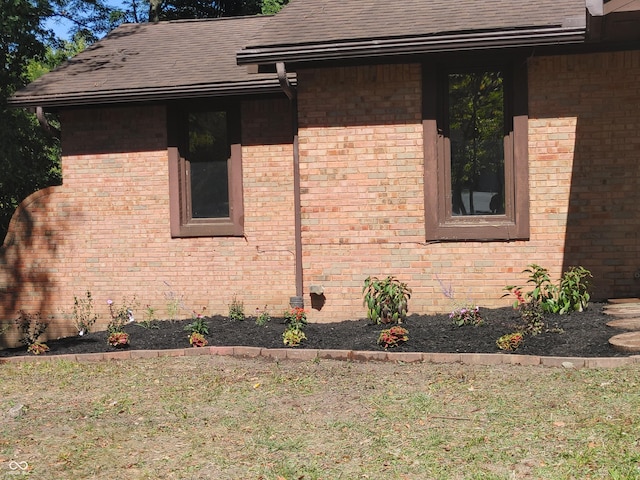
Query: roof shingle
x=154, y=61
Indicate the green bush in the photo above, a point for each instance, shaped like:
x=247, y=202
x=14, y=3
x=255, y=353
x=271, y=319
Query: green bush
x=386, y=300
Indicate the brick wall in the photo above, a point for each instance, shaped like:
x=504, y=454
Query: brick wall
x=362, y=187
x=106, y=229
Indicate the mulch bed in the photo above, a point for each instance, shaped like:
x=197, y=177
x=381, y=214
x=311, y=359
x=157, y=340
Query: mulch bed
x=579, y=334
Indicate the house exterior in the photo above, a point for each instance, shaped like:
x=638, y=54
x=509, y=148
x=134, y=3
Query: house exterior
x=282, y=160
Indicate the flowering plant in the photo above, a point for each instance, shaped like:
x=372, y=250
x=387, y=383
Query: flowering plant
x=296, y=317
x=118, y=339
x=197, y=340
x=198, y=325
x=511, y=341
x=37, y=348
x=392, y=337
x=466, y=316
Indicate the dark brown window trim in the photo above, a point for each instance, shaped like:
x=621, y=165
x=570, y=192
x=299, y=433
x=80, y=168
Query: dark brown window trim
x=181, y=223
x=440, y=224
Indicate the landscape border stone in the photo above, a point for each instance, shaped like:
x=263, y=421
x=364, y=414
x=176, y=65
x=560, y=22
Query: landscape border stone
x=343, y=355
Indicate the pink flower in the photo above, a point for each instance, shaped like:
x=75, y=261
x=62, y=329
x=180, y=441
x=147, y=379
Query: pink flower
x=109, y=302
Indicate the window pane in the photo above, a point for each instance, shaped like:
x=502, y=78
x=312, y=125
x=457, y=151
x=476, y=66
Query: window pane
x=476, y=132
x=208, y=155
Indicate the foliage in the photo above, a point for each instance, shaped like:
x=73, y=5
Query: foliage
x=573, y=291
x=392, y=337
x=296, y=320
x=510, y=341
x=37, y=348
x=386, y=300
x=30, y=327
x=269, y=7
x=236, y=309
x=83, y=313
x=197, y=340
x=120, y=316
x=262, y=317
x=569, y=294
x=198, y=325
x=149, y=317
x=466, y=316
x=292, y=337
x=118, y=339
x=295, y=317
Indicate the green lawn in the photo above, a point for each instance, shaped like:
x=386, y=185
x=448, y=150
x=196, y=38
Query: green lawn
x=229, y=418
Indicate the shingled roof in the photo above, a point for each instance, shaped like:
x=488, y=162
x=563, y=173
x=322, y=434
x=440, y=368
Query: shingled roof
x=311, y=30
x=154, y=61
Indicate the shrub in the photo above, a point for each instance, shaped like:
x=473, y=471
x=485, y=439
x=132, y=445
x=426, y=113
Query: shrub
x=296, y=318
x=197, y=340
x=120, y=316
x=392, y=337
x=466, y=316
x=83, y=314
x=262, y=317
x=386, y=300
x=236, y=309
x=30, y=327
x=570, y=294
x=573, y=294
x=198, y=325
x=292, y=337
x=149, y=317
x=511, y=341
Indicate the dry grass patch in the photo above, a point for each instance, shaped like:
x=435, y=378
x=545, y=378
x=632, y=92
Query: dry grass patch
x=230, y=418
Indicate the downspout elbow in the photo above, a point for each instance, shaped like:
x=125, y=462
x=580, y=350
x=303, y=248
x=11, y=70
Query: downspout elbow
x=285, y=84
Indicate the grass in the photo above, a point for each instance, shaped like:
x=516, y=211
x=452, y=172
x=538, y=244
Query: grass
x=231, y=418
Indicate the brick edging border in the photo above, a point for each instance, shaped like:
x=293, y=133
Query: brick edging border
x=344, y=355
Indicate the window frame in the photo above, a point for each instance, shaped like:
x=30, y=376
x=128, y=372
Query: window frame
x=182, y=223
x=440, y=223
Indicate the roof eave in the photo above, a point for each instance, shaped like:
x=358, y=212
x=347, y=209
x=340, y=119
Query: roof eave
x=76, y=99
x=412, y=45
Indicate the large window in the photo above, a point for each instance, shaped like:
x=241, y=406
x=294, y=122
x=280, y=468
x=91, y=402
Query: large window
x=205, y=169
x=475, y=126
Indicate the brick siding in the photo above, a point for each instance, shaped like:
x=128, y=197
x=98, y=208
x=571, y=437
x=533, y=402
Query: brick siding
x=106, y=229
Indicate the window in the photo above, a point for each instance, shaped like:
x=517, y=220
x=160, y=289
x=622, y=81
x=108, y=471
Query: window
x=476, y=165
x=205, y=172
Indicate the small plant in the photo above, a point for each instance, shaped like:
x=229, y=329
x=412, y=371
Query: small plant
x=511, y=341
x=30, y=327
x=37, y=348
x=198, y=325
x=236, y=309
x=262, y=317
x=120, y=316
x=392, y=337
x=83, y=313
x=573, y=292
x=174, y=303
x=149, y=317
x=295, y=318
x=118, y=339
x=293, y=337
x=466, y=316
x=197, y=340
x=386, y=300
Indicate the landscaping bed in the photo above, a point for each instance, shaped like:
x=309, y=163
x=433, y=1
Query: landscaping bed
x=577, y=334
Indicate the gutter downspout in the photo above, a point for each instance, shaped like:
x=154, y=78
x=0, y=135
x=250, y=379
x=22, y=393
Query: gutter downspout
x=290, y=92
